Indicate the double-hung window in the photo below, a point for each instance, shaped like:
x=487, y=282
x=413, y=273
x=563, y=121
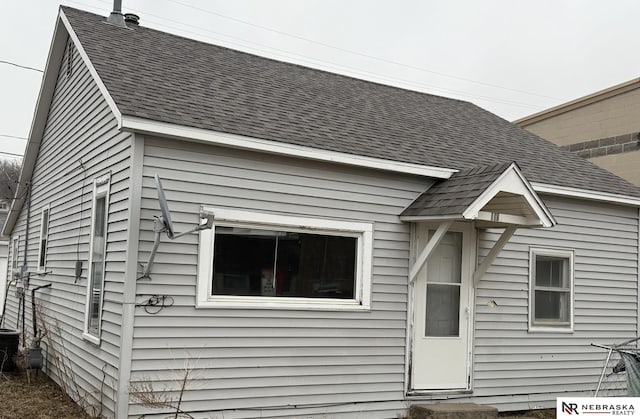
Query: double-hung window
x=259, y=260
x=97, y=251
x=44, y=234
x=551, y=290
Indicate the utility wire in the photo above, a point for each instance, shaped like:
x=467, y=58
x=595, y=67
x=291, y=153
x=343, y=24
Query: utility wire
x=13, y=136
x=11, y=154
x=314, y=61
x=332, y=65
x=21, y=66
x=373, y=57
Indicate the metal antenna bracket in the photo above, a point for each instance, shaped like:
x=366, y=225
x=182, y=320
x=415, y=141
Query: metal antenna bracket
x=159, y=227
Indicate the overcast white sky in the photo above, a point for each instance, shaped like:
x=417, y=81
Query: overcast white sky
x=513, y=58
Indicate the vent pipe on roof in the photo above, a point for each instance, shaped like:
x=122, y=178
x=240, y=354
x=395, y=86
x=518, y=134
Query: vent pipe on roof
x=116, y=18
x=132, y=18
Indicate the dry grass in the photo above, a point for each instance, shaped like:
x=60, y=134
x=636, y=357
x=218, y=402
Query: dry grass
x=39, y=399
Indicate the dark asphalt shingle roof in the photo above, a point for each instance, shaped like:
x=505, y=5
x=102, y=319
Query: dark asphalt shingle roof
x=454, y=195
x=163, y=77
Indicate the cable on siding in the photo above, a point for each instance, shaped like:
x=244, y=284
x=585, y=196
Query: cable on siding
x=152, y=305
x=78, y=268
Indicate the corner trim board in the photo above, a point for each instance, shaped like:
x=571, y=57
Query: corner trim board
x=131, y=274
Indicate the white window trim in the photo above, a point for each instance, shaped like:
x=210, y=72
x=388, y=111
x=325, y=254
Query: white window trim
x=560, y=328
x=101, y=188
x=44, y=235
x=363, y=232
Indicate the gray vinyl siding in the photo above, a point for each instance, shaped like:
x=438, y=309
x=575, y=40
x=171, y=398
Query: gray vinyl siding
x=247, y=359
x=80, y=142
x=245, y=363
x=517, y=369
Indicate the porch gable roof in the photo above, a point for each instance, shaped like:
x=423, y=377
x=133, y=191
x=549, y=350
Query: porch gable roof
x=495, y=196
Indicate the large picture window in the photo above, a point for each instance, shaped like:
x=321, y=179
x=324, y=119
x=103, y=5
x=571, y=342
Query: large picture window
x=551, y=291
x=260, y=260
x=95, y=283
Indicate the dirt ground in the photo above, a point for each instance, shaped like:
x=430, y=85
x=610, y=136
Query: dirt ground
x=43, y=399
x=40, y=399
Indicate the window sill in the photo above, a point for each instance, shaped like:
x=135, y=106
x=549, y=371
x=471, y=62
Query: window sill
x=281, y=303
x=91, y=339
x=550, y=329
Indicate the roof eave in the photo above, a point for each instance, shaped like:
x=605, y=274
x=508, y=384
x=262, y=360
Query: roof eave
x=186, y=133
x=585, y=194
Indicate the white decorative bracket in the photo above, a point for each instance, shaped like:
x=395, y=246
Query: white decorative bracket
x=493, y=253
x=428, y=249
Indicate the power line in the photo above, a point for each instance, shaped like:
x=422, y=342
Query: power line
x=13, y=136
x=332, y=65
x=11, y=154
x=373, y=57
x=21, y=66
x=314, y=61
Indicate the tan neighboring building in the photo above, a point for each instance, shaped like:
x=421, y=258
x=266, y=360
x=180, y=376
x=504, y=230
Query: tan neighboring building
x=603, y=127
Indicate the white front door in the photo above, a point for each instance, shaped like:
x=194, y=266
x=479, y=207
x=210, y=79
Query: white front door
x=442, y=312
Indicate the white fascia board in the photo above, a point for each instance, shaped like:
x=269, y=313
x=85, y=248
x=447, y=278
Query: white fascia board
x=141, y=125
x=512, y=181
x=92, y=70
x=586, y=194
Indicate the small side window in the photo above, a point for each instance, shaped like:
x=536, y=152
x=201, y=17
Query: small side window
x=97, y=252
x=551, y=289
x=44, y=234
